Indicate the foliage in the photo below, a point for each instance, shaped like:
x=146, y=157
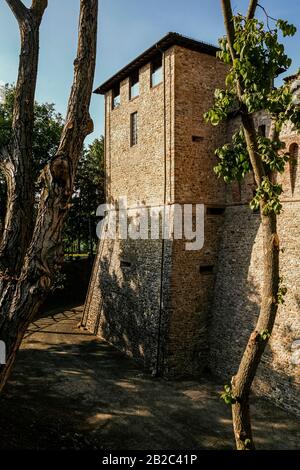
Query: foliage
x=48, y=125
x=282, y=291
x=259, y=57
x=89, y=183
x=46, y=135
x=227, y=395
x=265, y=334
x=248, y=444
x=269, y=193
x=234, y=160
x=88, y=194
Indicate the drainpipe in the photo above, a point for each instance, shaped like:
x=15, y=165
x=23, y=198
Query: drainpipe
x=161, y=300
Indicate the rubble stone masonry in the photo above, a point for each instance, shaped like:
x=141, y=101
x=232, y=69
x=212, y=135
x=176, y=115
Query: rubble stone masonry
x=236, y=300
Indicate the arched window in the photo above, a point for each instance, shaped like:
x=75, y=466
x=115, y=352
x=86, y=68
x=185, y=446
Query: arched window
x=294, y=152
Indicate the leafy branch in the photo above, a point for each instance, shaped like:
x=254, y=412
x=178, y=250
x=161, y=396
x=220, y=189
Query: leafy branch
x=227, y=395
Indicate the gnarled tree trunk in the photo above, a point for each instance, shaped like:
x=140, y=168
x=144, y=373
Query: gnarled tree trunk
x=16, y=162
x=25, y=284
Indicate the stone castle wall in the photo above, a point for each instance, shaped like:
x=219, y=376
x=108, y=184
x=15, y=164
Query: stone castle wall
x=180, y=311
x=236, y=300
x=125, y=301
x=196, y=77
x=143, y=309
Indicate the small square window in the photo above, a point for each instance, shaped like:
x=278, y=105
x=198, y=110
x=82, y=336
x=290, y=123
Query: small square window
x=116, y=100
x=133, y=128
x=156, y=71
x=134, y=85
x=209, y=269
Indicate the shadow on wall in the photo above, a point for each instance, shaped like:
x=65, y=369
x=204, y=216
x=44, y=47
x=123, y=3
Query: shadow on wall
x=236, y=308
x=279, y=373
x=129, y=279
x=236, y=301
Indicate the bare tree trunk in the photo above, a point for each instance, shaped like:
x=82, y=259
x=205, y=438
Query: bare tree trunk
x=21, y=296
x=242, y=381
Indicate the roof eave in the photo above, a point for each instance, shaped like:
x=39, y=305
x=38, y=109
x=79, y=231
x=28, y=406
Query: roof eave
x=164, y=44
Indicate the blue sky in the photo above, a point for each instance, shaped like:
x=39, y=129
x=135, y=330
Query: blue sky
x=126, y=28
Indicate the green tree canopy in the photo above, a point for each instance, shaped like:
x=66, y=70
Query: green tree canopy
x=258, y=58
x=48, y=124
x=88, y=194
x=89, y=183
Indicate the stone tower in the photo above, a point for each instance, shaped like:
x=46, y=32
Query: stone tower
x=150, y=298
x=180, y=311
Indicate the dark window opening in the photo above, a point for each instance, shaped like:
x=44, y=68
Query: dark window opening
x=262, y=130
x=209, y=269
x=116, y=100
x=197, y=138
x=293, y=164
x=125, y=264
x=133, y=128
x=215, y=210
x=134, y=85
x=156, y=71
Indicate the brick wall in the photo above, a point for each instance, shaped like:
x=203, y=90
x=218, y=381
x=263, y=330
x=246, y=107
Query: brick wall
x=165, y=328
x=196, y=77
x=125, y=303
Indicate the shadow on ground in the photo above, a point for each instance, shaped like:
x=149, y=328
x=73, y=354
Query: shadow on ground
x=70, y=390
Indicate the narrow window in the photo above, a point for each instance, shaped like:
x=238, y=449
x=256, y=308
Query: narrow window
x=116, y=101
x=134, y=85
x=197, y=138
x=215, y=210
x=156, y=71
x=206, y=269
x=125, y=264
x=293, y=163
x=133, y=128
x=262, y=130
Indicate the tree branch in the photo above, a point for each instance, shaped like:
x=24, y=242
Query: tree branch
x=38, y=7
x=45, y=253
x=247, y=119
x=18, y=8
x=251, y=9
x=229, y=26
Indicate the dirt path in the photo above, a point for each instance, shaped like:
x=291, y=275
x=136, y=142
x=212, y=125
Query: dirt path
x=70, y=390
